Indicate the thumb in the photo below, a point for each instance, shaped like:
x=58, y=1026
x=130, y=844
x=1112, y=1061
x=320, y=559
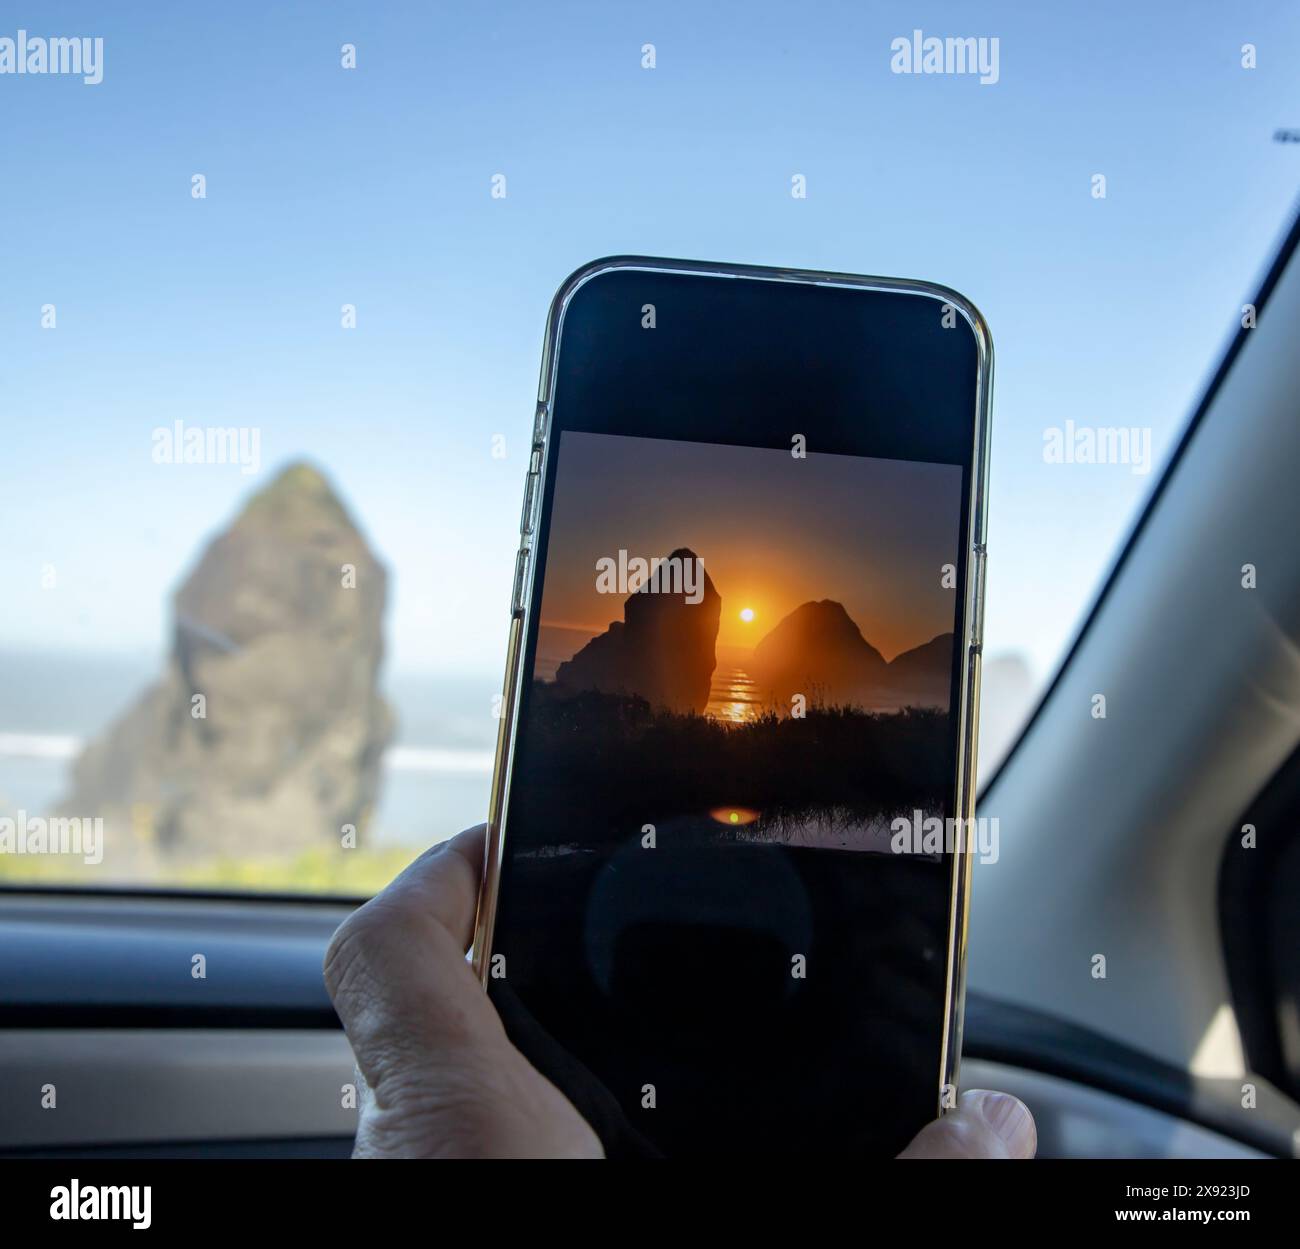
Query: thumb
x=396, y=971
x=984, y=1125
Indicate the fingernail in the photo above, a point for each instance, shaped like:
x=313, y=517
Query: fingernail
x=1010, y=1120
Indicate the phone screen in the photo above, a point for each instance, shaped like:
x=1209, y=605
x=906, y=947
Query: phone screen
x=723, y=920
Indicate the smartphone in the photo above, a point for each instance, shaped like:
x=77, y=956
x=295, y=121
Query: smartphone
x=726, y=885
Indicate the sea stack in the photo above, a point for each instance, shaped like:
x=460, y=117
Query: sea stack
x=664, y=648
x=264, y=733
x=817, y=651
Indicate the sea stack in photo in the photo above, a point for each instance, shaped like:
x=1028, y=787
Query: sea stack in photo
x=663, y=650
x=922, y=677
x=818, y=651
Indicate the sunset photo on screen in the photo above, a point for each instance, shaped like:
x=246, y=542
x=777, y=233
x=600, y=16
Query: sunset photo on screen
x=769, y=636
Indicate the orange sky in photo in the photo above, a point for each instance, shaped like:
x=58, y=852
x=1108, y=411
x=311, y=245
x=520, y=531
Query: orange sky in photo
x=773, y=532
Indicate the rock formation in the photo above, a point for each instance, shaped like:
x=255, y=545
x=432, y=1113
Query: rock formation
x=662, y=649
x=818, y=651
x=264, y=733
x=922, y=677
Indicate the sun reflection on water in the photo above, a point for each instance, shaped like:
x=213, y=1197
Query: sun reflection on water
x=733, y=697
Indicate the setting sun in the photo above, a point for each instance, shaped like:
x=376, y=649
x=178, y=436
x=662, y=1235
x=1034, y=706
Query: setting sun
x=747, y=614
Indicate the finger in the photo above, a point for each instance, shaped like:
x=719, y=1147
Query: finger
x=984, y=1125
x=408, y=1000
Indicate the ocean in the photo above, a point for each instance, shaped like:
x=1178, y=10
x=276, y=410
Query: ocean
x=435, y=774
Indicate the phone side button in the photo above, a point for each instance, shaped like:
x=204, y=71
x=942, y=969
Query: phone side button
x=521, y=576
x=529, y=517
x=977, y=609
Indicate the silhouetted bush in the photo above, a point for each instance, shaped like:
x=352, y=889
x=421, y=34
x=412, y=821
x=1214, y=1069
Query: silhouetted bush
x=612, y=760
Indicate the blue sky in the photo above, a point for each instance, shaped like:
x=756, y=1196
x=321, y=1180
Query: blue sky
x=371, y=187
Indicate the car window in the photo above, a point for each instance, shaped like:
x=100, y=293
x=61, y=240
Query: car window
x=272, y=318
